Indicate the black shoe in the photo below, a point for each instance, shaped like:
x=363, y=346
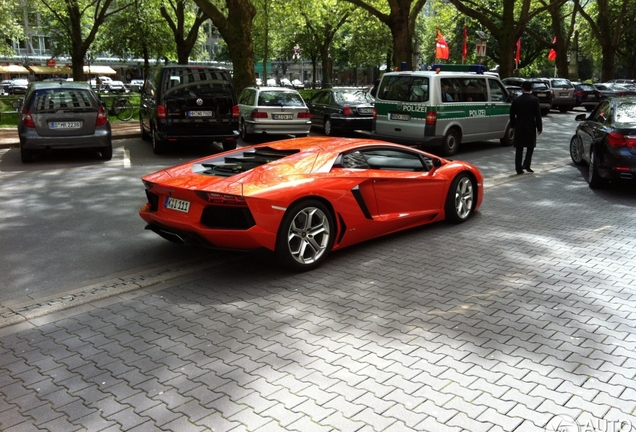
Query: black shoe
x=528, y=169
x=519, y=172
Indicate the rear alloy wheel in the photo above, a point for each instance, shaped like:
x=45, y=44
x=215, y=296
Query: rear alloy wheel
x=306, y=235
x=576, y=151
x=243, y=132
x=158, y=146
x=450, y=144
x=328, y=127
x=107, y=152
x=26, y=155
x=461, y=199
x=509, y=137
x=593, y=178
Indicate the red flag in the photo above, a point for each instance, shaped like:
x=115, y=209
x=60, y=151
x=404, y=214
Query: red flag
x=518, y=54
x=552, y=53
x=441, y=48
x=465, y=47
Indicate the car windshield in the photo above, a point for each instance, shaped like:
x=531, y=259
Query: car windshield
x=352, y=96
x=626, y=114
x=62, y=99
x=277, y=98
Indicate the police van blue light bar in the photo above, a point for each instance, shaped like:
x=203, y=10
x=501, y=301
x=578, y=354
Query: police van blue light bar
x=476, y=68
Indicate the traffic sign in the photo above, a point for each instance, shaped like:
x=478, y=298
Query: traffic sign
x=481, y=49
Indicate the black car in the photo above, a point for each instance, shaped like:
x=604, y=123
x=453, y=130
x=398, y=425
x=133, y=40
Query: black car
x=18, y=86
x=586, y=95
x=539, y=88
x=606, y=141
x=189, y=104
x=341, y=110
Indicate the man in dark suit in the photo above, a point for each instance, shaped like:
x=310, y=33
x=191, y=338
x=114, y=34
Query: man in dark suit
x=525, y=119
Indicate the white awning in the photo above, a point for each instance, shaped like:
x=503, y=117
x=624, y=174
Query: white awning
x=99, y=70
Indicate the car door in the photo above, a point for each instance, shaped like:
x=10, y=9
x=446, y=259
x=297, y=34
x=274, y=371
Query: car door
x=498, y=107
x=317, y=106
x=593, y=129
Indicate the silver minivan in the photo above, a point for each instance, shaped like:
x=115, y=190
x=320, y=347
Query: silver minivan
x=442, y=109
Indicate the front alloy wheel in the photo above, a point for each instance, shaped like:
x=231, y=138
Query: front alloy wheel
x=461, y=199
x=306, y=235
x=576, y=151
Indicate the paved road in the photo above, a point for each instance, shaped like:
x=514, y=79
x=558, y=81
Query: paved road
x=518, y=320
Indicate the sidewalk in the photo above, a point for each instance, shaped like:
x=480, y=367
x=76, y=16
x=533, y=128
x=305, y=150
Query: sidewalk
x=130, y=129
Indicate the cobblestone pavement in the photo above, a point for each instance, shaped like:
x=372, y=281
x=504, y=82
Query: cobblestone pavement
x=521, y=319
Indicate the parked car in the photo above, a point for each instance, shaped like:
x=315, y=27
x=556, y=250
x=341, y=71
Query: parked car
x=613, y=90
x=136, y=85
x=18, y=86
x=114, y=87
x=562, y=90
x=271, y=82
x=284, y=82
x=586, y=95
x=539, y=89
x=605, y=140
x=189, y=104
x=297, y=84
x=6, y=85
x=514, y=90
x=306, y=197
x=272, y=111
x=62, y=115
x=341, y=110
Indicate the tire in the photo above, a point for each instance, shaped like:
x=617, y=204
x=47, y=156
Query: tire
x=563, y=109
x=545, y=112
x=508, y=138
x=158, y=146
x=124, y=109
x=306, y=235
x=451, y=142
x=26, y=155
x=107, y=152
x=328, y=127
x=144, y=135
x=594, y=180
x=229, y=145
x=243, y=132
x=576, y=151
x=461, y=199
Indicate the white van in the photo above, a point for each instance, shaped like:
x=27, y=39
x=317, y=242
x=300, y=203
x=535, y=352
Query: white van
x=441, y=109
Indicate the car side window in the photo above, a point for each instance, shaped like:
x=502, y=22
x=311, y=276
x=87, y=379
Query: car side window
x=602, y=113
x=474, y=90
x=497, y=91
x=395, y=160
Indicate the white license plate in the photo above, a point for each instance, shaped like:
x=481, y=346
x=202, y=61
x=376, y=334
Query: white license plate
x=540, y=94
x=200, y=113
x=65, y=125
x=177, y=204
x=365, y=110
x=396, y=116
x=283, y=116
x=564, y=94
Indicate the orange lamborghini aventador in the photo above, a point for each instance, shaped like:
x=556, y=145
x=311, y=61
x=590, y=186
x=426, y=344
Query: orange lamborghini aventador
x=302, y=198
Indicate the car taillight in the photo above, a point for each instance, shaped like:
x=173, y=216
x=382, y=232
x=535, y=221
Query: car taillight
x=161, y=111
x=431, y=118
x=218, y=198
x=101, y=117
x=26, y=119
x=578, y=93
x=630, y=141
x=347, y=111
x=235, y=112
x=304, y=115
x=258, y=114
x=616, y=139
x=375, y=114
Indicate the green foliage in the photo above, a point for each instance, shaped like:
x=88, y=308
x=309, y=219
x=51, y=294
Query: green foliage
x=10, y=28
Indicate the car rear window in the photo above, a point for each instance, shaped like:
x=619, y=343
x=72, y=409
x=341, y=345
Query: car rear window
x=180, y=80
x=51, y=100
x=562, y=84
x=404, y=88
x=626, y=113
x=586, y=87
x=352, y=96
x=277, y=98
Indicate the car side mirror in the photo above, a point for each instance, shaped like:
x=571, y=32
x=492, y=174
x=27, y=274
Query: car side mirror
x=580, y=117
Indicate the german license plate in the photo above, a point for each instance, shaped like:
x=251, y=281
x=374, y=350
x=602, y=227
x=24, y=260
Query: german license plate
x=65, y=125
x=563, y=94
x=398, y=116
x=177, y=204
x=540, y=94
x=365, y=110
x=282, y=116
x=200, y=113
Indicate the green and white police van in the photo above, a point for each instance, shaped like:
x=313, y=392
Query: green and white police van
x=441, y=109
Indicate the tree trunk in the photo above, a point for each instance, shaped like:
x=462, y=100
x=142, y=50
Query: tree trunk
x=402, y=39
